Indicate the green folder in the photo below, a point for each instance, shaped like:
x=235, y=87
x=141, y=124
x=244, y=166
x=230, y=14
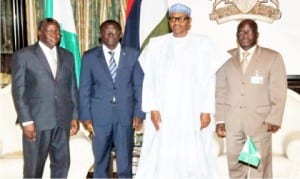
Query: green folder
x=249, y=155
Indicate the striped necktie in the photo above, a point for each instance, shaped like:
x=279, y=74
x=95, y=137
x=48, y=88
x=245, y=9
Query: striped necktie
x=112, y=65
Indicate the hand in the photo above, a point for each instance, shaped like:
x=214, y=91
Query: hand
x=220, y=130
x=156, y=119
x=30, y=132
x=88, y=125
x=272, y=128
x=137, y=124
x=205, y=120
x=74, y=127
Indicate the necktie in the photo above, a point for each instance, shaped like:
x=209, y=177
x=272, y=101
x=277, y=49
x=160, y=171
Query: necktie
x=53, y=62
x=112, y=65
x=245, y=61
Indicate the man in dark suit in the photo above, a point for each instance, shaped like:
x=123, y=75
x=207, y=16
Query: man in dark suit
x=250, y=100
x=45, y=96
x=110, y=99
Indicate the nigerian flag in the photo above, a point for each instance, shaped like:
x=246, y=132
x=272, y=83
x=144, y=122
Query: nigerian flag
x=61, y=10
x=249, y=154
x=154, y=25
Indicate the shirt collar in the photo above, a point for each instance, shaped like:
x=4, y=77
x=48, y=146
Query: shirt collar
x=250, y=51
x=116, y=50
x=45, y=48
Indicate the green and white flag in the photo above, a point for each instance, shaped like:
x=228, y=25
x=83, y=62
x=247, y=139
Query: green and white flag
x=249, y=154
x=61, y=10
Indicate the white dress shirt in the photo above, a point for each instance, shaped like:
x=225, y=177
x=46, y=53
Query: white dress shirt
x=51, y=55
x=116, y=51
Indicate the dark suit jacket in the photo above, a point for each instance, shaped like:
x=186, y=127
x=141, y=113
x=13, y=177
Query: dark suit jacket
x=37, y=95
x=97, y=88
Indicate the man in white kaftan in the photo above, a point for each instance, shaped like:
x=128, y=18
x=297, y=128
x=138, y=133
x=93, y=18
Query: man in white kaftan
x=179, y=88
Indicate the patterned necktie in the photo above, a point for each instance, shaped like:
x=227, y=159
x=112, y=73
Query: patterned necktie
x=112, y=65
x=245, y=61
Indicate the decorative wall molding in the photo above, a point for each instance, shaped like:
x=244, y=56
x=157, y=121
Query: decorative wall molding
x=228, y=10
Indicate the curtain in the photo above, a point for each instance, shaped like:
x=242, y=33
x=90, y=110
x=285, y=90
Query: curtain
x=6, y=23
x=88, y=15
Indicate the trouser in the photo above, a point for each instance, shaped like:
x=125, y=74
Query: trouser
x=119, y=137
x=263, y=143
x=54, y=142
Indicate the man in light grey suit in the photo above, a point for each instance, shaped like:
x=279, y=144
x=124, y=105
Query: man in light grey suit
x=250, y=102
x=45, y=96
x=110, y=99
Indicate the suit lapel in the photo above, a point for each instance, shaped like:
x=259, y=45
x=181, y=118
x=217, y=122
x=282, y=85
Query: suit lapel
x=103, y=63
x=122, y=62
x=59, y=58
x=254, y=60
x=42, y=58
x=236, y=59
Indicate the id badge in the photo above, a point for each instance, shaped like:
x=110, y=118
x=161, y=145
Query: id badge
x=257, y=79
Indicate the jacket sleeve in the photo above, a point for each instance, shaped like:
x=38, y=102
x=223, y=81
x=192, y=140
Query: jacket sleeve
x=85, y=90
x=138, y=77
x=74, y=90
x=278, y=91
x=18, y=69
x=220, y=95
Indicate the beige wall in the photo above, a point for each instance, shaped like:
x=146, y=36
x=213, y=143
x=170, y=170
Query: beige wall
x=282, y=35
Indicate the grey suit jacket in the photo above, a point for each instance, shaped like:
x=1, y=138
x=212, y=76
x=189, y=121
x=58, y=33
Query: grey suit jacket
x=248, y=100
x=37, y=95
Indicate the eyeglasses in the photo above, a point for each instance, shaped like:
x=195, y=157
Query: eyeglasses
x=56, y=32
x=179, y=19
x=243, y=32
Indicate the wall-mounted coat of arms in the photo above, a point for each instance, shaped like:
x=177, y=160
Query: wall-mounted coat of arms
x=227, y=10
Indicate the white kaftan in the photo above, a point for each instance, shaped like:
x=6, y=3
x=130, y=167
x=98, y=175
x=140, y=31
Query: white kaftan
x=179, y=82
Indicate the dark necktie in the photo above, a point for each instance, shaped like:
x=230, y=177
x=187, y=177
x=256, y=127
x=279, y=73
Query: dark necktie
x=112, y=65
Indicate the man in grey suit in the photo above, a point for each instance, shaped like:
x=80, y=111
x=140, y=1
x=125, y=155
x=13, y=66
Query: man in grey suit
x=250, y=100
x=45, y=96
x=110, y=99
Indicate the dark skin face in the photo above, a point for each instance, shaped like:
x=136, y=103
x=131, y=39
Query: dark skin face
x=180, y=24
x=110, y=35
x=50, y=34
x=246, y=36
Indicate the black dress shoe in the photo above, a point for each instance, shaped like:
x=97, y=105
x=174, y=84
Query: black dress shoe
x=89, y=175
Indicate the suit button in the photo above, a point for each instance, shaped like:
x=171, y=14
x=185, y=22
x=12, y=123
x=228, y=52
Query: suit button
x=113, y=100
x=114, y=88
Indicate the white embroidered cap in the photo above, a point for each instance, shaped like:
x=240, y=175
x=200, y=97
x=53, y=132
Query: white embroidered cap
x=181, y=8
